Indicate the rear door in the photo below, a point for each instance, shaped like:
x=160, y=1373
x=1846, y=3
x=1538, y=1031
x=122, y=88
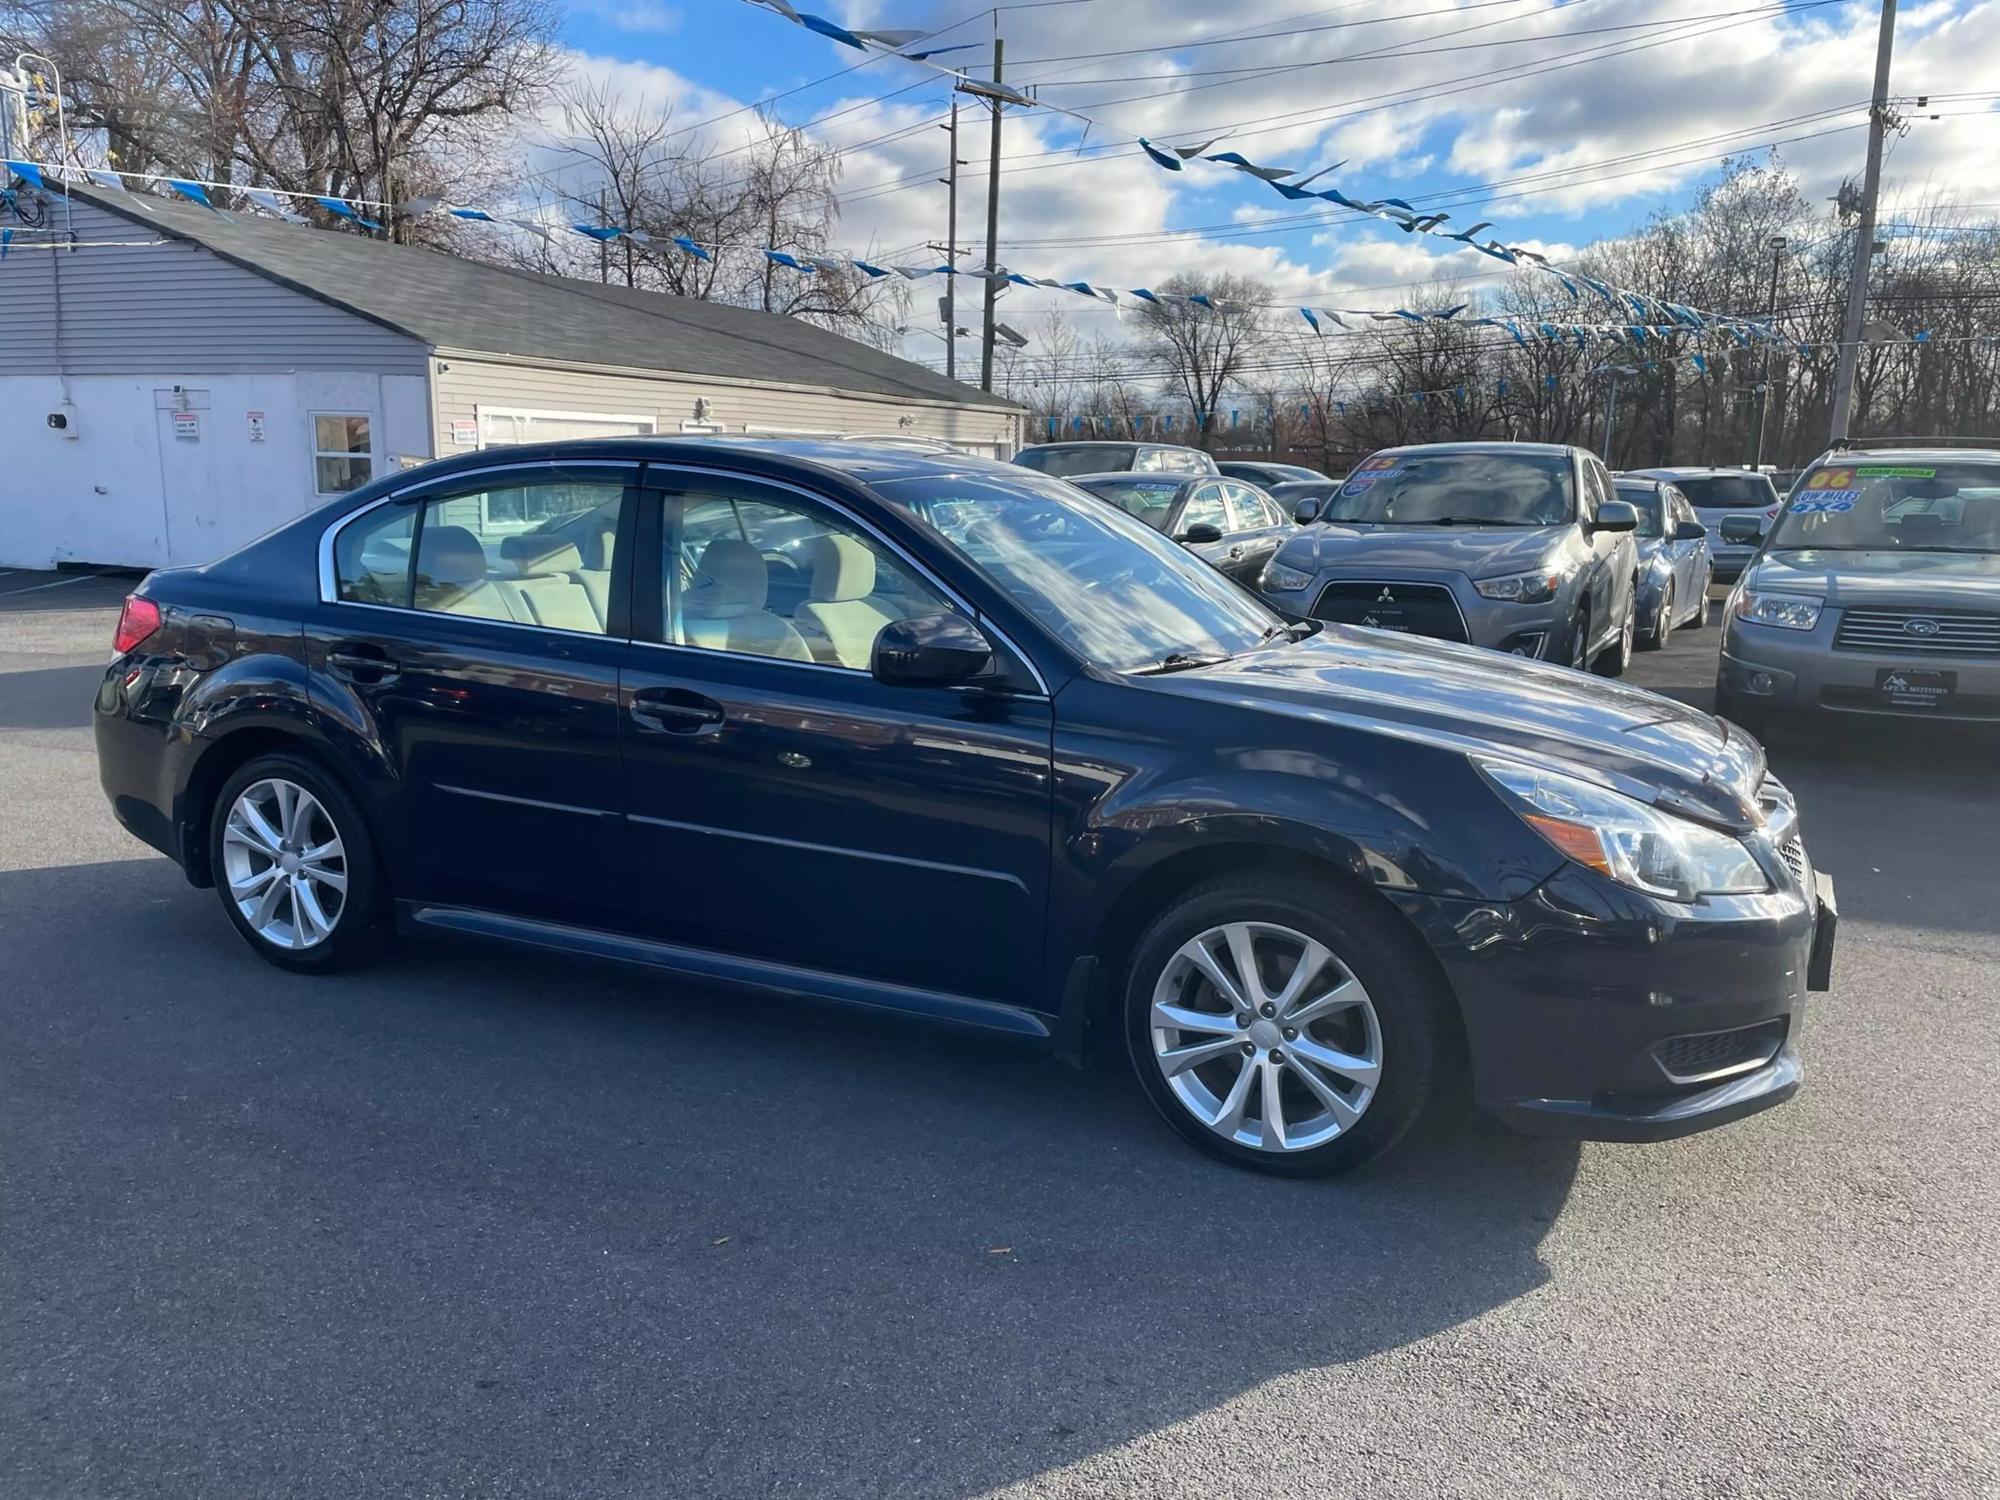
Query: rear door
x=1205, y=506
x=1255, y=530
x=464, y=633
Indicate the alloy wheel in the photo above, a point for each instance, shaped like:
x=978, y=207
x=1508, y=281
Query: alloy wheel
x=285, y=864
x=1579, y=643
x=1666, y=617
x=1265, y=1036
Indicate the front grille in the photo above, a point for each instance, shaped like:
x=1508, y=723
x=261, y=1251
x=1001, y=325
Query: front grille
x=1705, y=1055
x=1414, y=608
x=1935, y=632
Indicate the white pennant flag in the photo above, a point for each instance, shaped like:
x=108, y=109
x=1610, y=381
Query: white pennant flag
x=271, y=203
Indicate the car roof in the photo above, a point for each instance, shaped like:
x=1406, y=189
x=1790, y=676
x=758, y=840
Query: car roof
x=1139, y=476
x=1097, y=443
x=1695, y=471
x=1492, y=446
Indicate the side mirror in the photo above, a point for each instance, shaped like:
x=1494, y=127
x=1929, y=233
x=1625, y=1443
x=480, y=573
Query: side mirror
x=930, y=651
x=1690, y=531
x=1200, y=533
x=1616, y=515
x=1306, y=512
x=1746, y=531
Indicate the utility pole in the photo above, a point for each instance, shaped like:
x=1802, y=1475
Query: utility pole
x=1611, y=406
x=1764, y=380
x=1864, y=234
x=951, y=255
x=992, y=229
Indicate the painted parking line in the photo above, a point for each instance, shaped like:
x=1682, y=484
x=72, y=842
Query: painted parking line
x=53, y=584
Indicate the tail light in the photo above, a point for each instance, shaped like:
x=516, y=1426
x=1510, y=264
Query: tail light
x=136, y=621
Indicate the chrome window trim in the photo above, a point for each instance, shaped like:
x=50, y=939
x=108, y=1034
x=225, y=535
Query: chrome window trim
x=328, y=594
x=839, y=509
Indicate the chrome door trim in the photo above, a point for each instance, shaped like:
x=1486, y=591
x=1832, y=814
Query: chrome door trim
x=811, y=848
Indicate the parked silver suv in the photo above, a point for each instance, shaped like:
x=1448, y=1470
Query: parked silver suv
x=1517, y=546
x=1876, y=591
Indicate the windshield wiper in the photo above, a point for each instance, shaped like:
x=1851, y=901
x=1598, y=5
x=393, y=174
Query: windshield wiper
x=1470, y=521
x=1178, y=661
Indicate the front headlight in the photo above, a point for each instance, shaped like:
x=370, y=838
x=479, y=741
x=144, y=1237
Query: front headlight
x=1279, y=579
x=1636, y=845
x=1786, y=611
x=1521, y=588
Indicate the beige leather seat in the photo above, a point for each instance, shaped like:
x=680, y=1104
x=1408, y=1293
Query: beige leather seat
x=596, y=572
x=547, y=569
x=841, y=618
x=723, y=608
x=451, y=577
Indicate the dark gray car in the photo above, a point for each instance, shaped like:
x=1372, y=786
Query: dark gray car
x=1233, y=525
x=1876, y=591
x=1517, y=546
x=1717, y=494
x=1067, y=460
x=1675, y=568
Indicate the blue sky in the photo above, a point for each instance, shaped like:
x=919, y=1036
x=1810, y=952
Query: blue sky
x=1590, y=116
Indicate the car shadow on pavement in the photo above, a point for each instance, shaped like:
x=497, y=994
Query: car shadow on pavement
x=485, y=1222
x=49, y=697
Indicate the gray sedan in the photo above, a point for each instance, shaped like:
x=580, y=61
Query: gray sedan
x=1717, y=494
x=1877, y=591
x=1517, y=546
x=1227, y=523
x=1675, y=567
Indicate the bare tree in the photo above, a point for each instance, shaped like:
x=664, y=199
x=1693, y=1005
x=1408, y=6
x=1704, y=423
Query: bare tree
x=1202, y=346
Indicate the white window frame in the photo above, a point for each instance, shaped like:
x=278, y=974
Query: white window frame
x=650, y=424
x=312, y=438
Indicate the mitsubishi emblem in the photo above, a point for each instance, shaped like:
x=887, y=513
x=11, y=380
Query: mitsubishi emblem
x=1385, y=597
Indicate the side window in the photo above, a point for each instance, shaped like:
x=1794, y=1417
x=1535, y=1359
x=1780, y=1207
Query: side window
x=537, y=553
x=1595, y=490
x=782, y=578
x=1246, y=509
x=1205, y=508
x=1181, y=462
x=1150, y=460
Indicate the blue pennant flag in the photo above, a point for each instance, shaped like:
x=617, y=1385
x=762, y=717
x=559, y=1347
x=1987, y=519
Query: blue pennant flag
x=28, y=172
x=692, y=248
x=1921, y=336
x=1520, y=338
x=1307, y=314
x=1549, y=382
x=1501, y=388
x=783, y=259
x=1452, y=312
x=602, y=233
x=1638, y=333
x=347, y=211
x=481, y=216
x=1568, y=285
x=1164, y=158
x=6, y=242
x=190, y=190
x=1052, y=425
x=1200, y=299
x=830, y=28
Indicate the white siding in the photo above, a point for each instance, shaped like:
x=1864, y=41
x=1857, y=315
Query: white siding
x=467, y=382
x=125, y=306
x=129, y=490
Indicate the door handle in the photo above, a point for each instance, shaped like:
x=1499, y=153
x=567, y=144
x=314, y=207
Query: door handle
x=1235, y=551
x=675, y=711
x=360, y=663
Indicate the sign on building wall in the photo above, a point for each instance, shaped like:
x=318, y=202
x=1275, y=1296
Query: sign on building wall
x=255, y=421
x=187, y=426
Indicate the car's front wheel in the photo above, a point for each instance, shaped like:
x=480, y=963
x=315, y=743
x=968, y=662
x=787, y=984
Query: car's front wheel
x=1283, y=1025
x=1616, y=657
x=294, y=864
x=1663, y=622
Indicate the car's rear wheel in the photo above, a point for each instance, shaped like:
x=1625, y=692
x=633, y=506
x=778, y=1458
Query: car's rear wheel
x=1700, y=617
x=1663, y=623
x=1282, y=1025
x=294, y=864
x=1616, y=657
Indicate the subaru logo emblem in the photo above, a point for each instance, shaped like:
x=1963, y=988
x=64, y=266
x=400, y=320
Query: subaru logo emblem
x=1385, y=597
x=1920, y=627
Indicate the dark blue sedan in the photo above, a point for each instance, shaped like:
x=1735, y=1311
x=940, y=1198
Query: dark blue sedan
x=922, y=733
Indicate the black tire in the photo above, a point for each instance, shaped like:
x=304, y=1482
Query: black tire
x=1701, y=612
x=1663, y=621
x=1616, y=657
x=1409, y=1000
x=1579, y=641
x=355, y=928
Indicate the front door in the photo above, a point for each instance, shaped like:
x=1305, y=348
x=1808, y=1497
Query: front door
x=785, y=805
x=1255, y=531
x=472, y=638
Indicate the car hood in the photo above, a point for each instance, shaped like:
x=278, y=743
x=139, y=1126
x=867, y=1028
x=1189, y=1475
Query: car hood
x=1926, y=580
x=1481, y=701
x=1476, y=551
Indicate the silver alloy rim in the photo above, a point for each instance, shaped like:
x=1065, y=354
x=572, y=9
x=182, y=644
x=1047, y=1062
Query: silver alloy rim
x=1579, y=646
x=285, y=865
x=1625, y=635
x=1667, y=616
x=1266, y=1037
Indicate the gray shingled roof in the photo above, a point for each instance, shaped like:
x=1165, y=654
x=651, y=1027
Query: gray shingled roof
x=450, y=303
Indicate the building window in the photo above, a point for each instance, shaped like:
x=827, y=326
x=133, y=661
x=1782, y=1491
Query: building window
x=343, y=452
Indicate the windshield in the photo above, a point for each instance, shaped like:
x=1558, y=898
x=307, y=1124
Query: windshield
x=1728, y=491
x=1148, y=499
x=1646, y=500
x=1882, y=506
x=1095, y=459
x=1443, y=489
x=1114, y=591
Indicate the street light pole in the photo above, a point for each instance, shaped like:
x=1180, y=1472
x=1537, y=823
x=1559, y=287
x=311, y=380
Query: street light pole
x=1764, y=379
x=1610, y=409
x=951, y=257
x=992, y=228
x=1864, y=234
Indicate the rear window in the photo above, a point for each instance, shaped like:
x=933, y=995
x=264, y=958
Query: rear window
x=1148, y=499
x=1066, y=461
x=1646, y=500
x=1729, y=492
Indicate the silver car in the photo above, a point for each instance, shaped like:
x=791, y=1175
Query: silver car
x=1675, y=568
x=1876, y=591
x=1518, y=546
x=1717, y=494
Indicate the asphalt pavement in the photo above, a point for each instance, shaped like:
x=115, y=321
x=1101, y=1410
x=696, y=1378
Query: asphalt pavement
x=473, y=1223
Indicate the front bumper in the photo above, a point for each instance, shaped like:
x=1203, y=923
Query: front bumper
x=1800, y=671
x=1596, y=1013
x=1536, y=630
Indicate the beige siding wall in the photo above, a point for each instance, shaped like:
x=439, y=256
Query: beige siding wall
x=468, y=382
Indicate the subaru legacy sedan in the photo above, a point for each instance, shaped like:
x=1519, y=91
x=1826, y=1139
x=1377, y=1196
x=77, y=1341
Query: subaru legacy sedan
x=940, y=736
x=1518, y=546
x=1876, y=591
